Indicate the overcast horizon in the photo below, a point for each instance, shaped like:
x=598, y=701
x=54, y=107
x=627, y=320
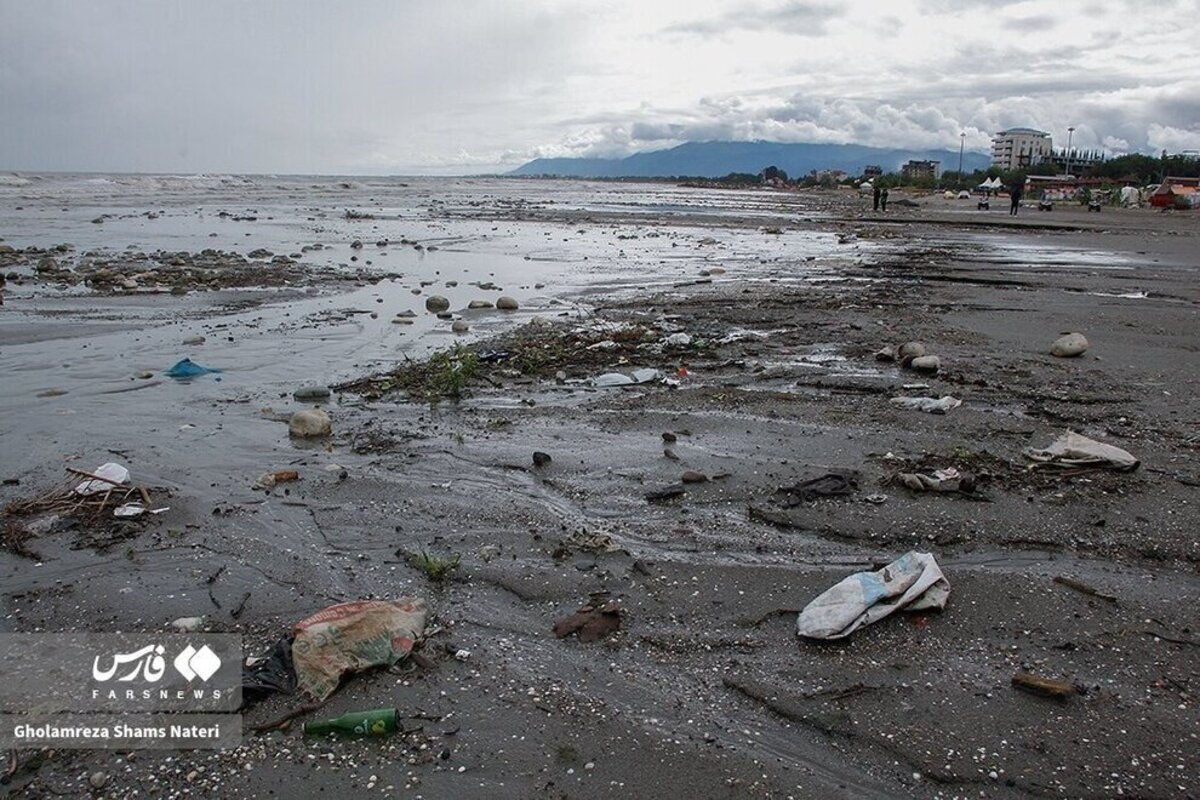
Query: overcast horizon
x=374, y=87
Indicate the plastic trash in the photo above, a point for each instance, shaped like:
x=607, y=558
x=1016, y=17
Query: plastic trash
x=350, y=637
x=913, y=582
x=186, y=368
x=129, y=510
x=115, y=473
x=831, y=484
x=611, y=379
x=1073, y=451
x=931, y=405
x=942, y=480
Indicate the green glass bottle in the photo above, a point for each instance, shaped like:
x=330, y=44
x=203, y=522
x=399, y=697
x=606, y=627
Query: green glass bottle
x=379, y=722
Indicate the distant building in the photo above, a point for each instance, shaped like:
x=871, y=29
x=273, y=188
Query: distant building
x=871, y=171
x=1020, y=148
x=921, y=169
x=1077, y=161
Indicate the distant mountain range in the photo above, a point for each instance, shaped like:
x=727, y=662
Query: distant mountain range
x=717, y=159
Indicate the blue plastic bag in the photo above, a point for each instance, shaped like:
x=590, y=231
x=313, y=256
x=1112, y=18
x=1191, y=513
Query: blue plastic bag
x=188, y=369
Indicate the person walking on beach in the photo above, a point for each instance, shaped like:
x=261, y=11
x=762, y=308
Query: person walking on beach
x=1015, y=194
x=875, y=194
x=883, y=200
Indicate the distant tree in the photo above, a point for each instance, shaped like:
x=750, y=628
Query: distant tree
x=774, y=173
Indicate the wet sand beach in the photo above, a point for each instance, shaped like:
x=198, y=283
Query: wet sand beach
x=763, y=313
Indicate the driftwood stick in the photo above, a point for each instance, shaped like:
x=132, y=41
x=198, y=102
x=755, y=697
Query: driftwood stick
x=288, y=717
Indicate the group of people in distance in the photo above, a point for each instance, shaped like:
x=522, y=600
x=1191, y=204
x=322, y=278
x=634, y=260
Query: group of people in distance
x=879, y=196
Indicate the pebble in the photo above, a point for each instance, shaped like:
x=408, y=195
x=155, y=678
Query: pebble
x=506, y=303
x=436, y=303
x=541, y=459
x=98, y=780
x=187, y=624
x=310, y=422
x=477, y=304
x=691, y=476
x=926, y=363
x=460, y=326
x=311, y=393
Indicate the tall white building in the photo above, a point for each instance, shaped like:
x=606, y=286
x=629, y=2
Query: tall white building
x=1020, y=148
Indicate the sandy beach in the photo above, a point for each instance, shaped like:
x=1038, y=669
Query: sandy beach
x=763, y=313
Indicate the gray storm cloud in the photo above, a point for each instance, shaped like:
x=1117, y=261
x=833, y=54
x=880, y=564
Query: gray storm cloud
x=375, y=86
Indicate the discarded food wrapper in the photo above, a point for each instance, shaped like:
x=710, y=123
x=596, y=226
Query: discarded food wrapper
x=611, y=379
x=350, y=637
x=913, y=582
x=186, y=368
x=113, y=472
x=931, y=405
x=1073, y=451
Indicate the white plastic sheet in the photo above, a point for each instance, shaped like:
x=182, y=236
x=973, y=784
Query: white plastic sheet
x=112, y=471
x=913, y=582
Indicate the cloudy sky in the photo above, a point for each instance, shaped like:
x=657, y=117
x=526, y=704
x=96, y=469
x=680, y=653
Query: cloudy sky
x=462, y=86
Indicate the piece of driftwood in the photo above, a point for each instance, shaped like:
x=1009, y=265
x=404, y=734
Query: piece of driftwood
x=1043, y=687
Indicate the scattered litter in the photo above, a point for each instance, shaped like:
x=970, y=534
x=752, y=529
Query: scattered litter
x=930, y=405
x=876, y=499
x=831, y=484
x=611, y=379
x=593, y=542
x=462, y=655
x=592, y=621
x=350, y=637
x=104, y=479
x=377, y=722
x=1073, y=451
x=1069, y=345
x=186, y=368
x=268, y=479
x=913, y=582
x=942, y=480
x=129, y=510
x=678, y=340
x=1043, y=687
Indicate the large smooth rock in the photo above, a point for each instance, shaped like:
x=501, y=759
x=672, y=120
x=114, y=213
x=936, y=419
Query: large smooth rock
x=477, y=304
x=1069, y=345
x=310, y=423
x=506, y=303
x=436, y=303
x=926, y=363
x=908, y=351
